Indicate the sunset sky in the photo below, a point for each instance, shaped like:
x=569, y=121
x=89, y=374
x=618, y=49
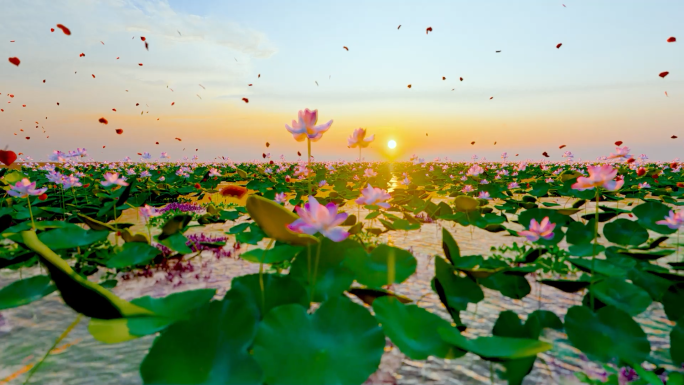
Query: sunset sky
x=602, y=85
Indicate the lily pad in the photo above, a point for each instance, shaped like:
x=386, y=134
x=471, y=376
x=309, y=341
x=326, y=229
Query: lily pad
x=329, y=277
x=25, y=291
x=71, y=237
x=211, y=348
x=132, y=254
x=341, y=342
x=277, y=254
x=608, y=334
x=459, y=291
x=385, y=265
x=495, y=348
x=623, y=295
x=413, y=329
x=625, y=232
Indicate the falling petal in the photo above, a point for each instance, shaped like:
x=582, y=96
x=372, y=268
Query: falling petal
x=15, y=61
x=103, y=121
x=64, y=29
x=119, y=131
x=663, y=74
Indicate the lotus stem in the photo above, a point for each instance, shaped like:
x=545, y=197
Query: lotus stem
x=308, y=144
x=390, y=268
x=33, y=223
x=57, y=341
x=261, y=276
x=593, y=254
x=318, y=256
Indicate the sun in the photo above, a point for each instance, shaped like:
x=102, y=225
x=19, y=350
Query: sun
x=391, y=144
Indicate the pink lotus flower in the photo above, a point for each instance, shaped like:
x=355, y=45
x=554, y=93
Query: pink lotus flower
x=358, y=139
x=484, y=195
x=306, y=126
x=475, y=170
x=280, y=198
x=112, y=178
x=599, y=176
x=303, y=171
x=620, y=153
x=315, y=218
x=674, y=220
x=539, y=230
x=148, y=212
x=369, y=173
x=214, y=172
x=644, y=185
x=374, y=196
x=25, y=188
x=467, y=188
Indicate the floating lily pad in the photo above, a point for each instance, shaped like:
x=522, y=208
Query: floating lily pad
x=413, y=329
x=608, y=334
x=25, y=291
x=340, y=341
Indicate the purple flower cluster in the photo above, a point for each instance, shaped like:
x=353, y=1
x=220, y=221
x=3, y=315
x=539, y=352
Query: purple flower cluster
x=181, y=206
x=198, y=242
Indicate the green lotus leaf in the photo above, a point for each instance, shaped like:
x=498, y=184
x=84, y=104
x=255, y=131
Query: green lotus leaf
x=340, y=343
x=25, y=291
x=413, y=329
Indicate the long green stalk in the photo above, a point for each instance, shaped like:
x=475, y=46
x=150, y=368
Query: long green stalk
x=57, y=341
x=593, y=253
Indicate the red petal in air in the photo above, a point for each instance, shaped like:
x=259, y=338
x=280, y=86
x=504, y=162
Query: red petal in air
x=664, y=73
x=671, y=39
x=103, y=121
x=15, y=61
x=618, y=143
x=119, y=131
x=64, y=29
x=7, y=157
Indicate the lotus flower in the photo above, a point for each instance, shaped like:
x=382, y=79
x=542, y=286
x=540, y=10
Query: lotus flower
x=599, y=176
x=70, y=181
x=214, y=172
x=148, y=212
x=280, y=198
x=620, y=153
x=358, y=139
x=315, y=218
x=112, y=178
x=374, y=196
x=539, y=230
x=306, y=126
x=370, y=173
x=484, y=195
x=475, y=170
x=673, y=220
x=24, y=188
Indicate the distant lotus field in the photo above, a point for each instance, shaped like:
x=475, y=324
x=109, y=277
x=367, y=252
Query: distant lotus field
x=325, y=305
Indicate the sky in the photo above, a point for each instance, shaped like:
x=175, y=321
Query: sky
x=600, y=86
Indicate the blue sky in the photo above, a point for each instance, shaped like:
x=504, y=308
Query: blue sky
x=602, y=85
